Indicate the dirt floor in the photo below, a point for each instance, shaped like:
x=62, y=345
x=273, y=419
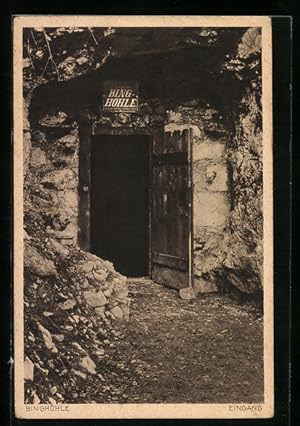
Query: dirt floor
x=208, y=350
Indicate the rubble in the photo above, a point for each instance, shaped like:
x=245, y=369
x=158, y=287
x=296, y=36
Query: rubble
x=73, y=303
x=187, y=293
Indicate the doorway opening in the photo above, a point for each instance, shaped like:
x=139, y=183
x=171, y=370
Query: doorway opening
x=120, y=217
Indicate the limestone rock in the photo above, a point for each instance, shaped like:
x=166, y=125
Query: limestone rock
x=62, y=251
x=204, y=286
x=94, y=298
x=100, y=275
x=68, y=141
x=60, y=179
x=117, y=312
x=26, y=236
x=208, y=150
x=216, y=178
x=87, y=266
x=87, y=365
x=100, y=310
x=37, y=158
x=187, y=293
x=52, y=401
x=53, y=120
x=84, y=283
x=53, y=390
x=58, y=337
x=67, y=234
x=68, y=304
x=36, y=399
x=28, y=369
x=79, y=373
x=37, y=263
x=48, y=339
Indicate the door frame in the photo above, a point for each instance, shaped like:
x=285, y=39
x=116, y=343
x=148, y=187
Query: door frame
x=86, y=131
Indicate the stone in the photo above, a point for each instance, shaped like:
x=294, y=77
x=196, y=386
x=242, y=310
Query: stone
x=53, y=390
x=68, y=200
x=175, y=127
x=216, y=177
x=53, y=120
x=36, y=399
x=125, y=309
x=79, y=373
x=187, y=293
x=47, y=339
x=58, y=337
x=60, y=179
x=250, y=42
x=87, y=266
x=210, y=209
x=100, y=275
x=94, y=298
x=28, y=369
x=37, y=158
x=208, y=150
x=84, y=283
x=37, y=263
x=174, y=117
x=204, y=286
x=107, y=293
x=87, y=365
x=68, y=304
x=67, y=234
x=26, y=236
x=122, y=293
x=109, y=266
x=100, y=310
x=117, y=312
x=62, y=251
x=78, y=347
x=99, y=352
x=68, y=141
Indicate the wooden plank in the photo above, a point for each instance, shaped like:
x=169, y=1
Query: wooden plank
x=170, y=277
x=170, y=158
x=84, y=187
x=171, y=210
x=174, y=262
x=189, y=135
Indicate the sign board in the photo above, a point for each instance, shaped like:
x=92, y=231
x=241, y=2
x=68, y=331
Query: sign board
x=120, y=96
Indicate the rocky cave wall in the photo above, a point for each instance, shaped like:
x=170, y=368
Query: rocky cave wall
x=54, y=159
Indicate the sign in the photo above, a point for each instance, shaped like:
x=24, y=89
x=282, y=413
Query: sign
x=120, y=96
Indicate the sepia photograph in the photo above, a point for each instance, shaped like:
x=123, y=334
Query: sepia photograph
x=143, y=217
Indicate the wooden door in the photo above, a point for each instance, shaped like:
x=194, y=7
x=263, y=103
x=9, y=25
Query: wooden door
x=172, y=209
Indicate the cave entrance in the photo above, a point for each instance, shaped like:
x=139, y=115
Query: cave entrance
x=120, y=201
x=135, y=202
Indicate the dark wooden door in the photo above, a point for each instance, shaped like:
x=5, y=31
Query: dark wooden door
x=172, y=209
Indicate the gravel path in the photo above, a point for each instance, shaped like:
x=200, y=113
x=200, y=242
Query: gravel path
x=208, y=350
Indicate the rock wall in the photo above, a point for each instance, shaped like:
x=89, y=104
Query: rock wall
x=54, y=166
x=227, y=173
x=212, y=202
